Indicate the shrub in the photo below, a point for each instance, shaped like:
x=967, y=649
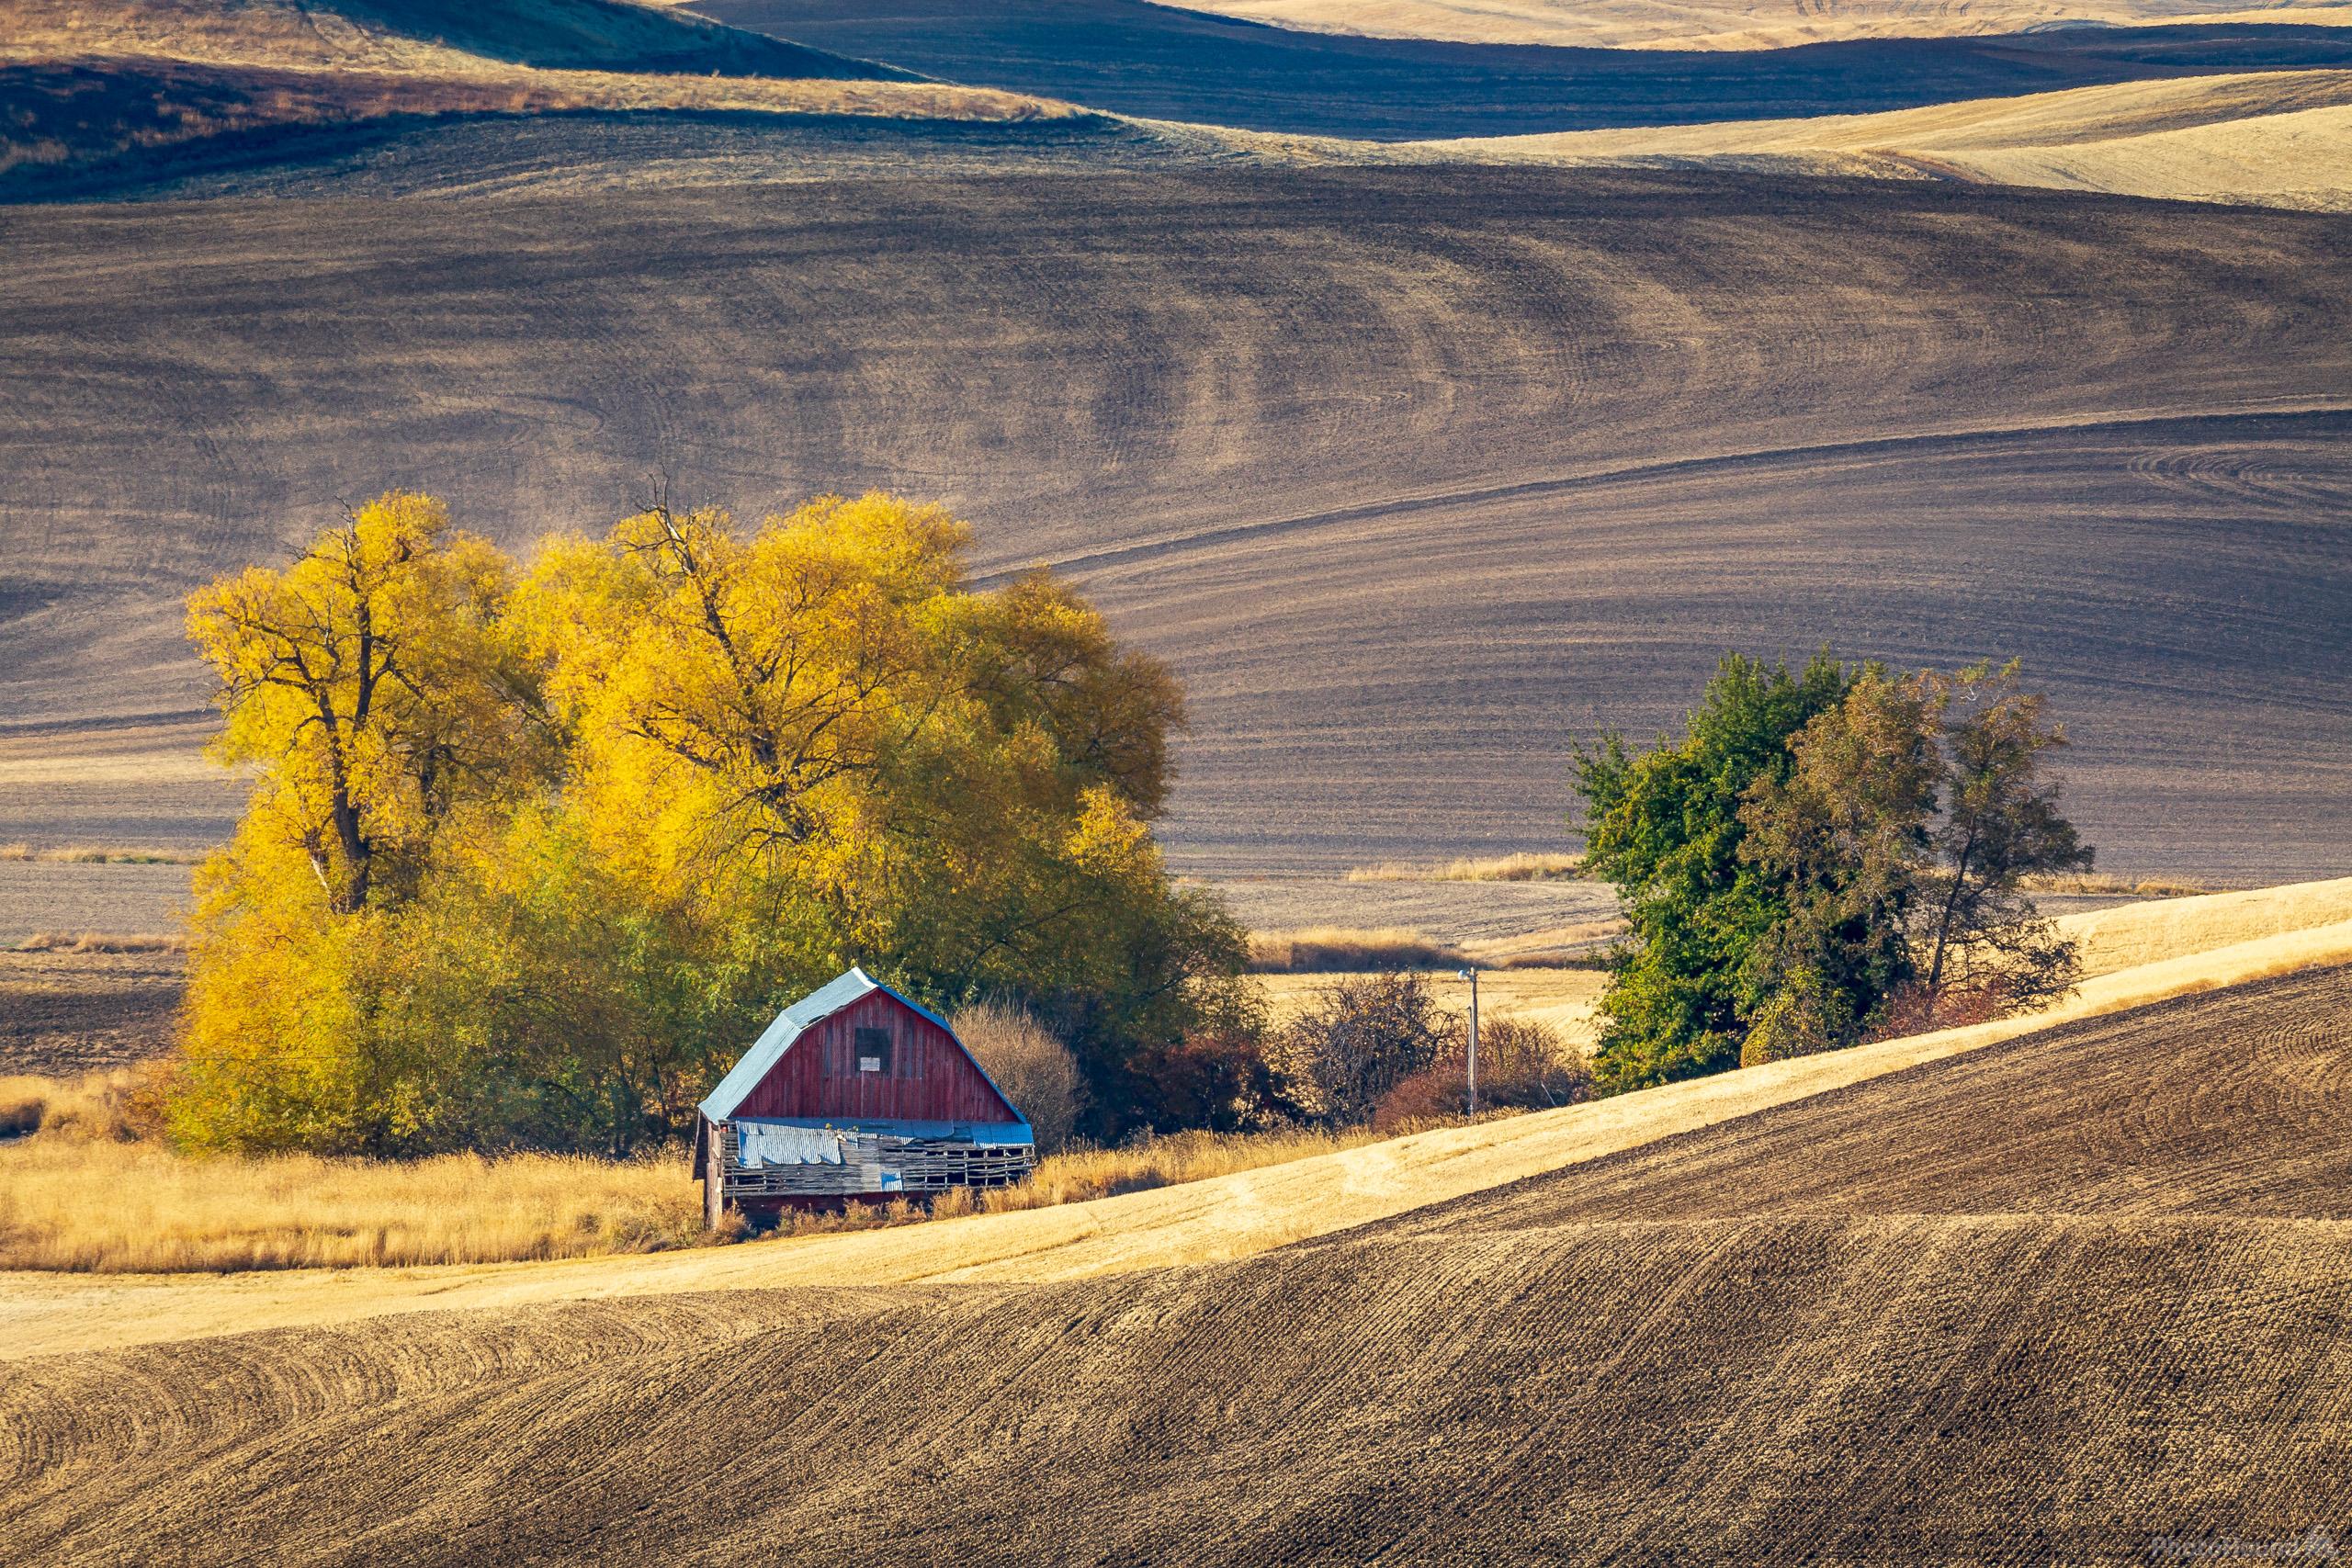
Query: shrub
x=1366, y=1035
x=1912, y=1011
x=1218, y=1079
x=1036, y=1071
x=117, y=1105
x=1524, y=1065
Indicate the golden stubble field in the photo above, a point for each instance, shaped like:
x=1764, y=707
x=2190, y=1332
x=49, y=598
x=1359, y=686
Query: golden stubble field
x=1739, y=25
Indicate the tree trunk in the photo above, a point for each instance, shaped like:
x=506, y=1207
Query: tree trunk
x=1943, y=922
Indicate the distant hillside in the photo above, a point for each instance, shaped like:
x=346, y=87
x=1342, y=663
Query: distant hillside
x=2279, y=138
x=600, y=35
x=1131, y=57
x=1735, y=24
x=98, y=104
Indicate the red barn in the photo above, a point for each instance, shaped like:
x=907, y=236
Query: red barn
x=854, y=1092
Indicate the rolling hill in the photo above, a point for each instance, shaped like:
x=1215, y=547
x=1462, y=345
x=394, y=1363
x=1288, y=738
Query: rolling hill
x=1416, y=474
x=1131, y=57
x=1735, y=24
x=2278, y=138
x=1774, y=1339
x=103, y=102
x=413, y=35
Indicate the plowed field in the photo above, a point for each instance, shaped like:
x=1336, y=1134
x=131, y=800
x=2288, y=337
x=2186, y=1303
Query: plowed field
x=2119, y=1323
x=1414, y=474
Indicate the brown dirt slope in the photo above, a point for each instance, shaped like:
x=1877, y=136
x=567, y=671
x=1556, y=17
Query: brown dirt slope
x=1851, y=1383
x=2175, y=1109
x=1414, y=474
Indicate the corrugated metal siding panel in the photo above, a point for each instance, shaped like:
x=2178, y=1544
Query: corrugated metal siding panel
x=930, y=1078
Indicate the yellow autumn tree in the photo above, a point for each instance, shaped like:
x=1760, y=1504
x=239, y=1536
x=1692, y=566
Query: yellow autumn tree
x=815, y=721
x=370, y=687
x=530, y=855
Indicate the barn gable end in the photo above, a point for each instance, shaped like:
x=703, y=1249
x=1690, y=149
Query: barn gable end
x=814, y=1063
x=854, y=1092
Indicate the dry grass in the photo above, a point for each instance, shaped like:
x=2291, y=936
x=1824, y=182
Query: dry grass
x=2133, y=936
x=1084, y=1173
x=116, y=1104
x=103, y=942
x=83, y=1197
x=2099, y=883
x=1340, y=949
x=22, y=1100
x=1529, y=866
x=104, y=1206
x=92, y=854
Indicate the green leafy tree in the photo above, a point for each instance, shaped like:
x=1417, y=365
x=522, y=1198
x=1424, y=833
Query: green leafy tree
x=1665, y=826
x=1841, y=835
x=1823, y=857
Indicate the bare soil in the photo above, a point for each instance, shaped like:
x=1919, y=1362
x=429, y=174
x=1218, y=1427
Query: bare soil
x=2226, y=1104
x=2072, y=1352
x=1416, y=475
x=66, y=1013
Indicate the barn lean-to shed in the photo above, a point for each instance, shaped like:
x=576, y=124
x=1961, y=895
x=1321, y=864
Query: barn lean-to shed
x=854, y=1092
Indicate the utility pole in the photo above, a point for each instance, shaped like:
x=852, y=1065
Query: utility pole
x=1472, y=976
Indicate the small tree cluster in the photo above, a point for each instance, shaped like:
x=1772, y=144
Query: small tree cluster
x=1824, y=856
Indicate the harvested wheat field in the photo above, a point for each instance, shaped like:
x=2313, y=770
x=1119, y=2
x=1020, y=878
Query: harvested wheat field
x=1738, y=23
x=1771, y=1340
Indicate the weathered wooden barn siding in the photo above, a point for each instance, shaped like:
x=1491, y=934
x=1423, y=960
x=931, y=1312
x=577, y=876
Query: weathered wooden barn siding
x=930, y=1078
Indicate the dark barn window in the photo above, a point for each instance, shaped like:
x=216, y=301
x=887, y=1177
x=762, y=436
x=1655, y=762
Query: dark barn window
x=874, y=1051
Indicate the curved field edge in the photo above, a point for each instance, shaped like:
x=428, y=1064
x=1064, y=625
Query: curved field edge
x=1808, y=1388
x=2269, y=138
x=2222, y=941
